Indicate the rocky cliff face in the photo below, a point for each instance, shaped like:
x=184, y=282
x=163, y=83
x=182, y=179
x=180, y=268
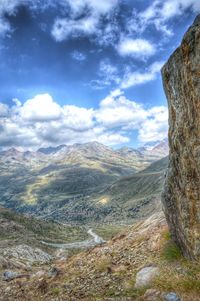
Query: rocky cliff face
x=181, y=197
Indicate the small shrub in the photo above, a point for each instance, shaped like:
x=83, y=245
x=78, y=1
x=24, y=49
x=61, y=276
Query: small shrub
x=55, y=291
x=171, y=251
x=103, y=265
x=177, y=283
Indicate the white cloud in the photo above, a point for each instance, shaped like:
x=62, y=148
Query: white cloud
x=77, y=118
x=40, y=108
x=4, y=26
x=78, y=56
x=109, y=35
x=63, y=28
x=7, y=7
x=98, y=7
x=107, y=69
x=138, y=48
x=85, y=17
x=113, y=139
x=171, y=8
x=108, y=74
x=155, y=126
x=10, y=7
x=132, y=79
x=84, y=20
x=42, y=122
x=119, y=112
x=135, y=78
x=4, y=110
x=17, y=102
x=159, y=13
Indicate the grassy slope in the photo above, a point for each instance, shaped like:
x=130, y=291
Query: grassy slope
x=92, y=192
x=135, y=196
x=127, y=199
x=17, y=229
x=41, y=187
x=39, y=184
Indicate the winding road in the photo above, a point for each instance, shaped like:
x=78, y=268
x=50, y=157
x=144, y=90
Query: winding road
x=95, y=240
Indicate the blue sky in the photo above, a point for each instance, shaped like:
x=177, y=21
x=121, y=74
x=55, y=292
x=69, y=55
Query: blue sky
x=83, y=70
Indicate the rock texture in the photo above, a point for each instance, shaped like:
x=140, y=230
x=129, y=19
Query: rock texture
x=22, y=256
x=181, y=197
x=145, y=276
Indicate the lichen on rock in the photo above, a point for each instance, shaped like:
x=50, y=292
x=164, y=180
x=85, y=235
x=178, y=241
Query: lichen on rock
x=181, y=196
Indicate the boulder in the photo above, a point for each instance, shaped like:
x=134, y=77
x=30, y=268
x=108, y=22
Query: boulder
x=145, y=276
x=171, y=297
x=181, y=196
x=9, y=275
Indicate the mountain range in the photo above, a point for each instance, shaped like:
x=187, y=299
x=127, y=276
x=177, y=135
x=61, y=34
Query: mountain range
x=76, y=183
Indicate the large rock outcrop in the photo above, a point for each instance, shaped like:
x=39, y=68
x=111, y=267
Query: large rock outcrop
x=181, y=196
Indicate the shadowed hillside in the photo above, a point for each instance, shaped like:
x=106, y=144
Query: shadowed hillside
x=69, y=182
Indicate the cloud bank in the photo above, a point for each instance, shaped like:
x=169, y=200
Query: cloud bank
x=41, y=121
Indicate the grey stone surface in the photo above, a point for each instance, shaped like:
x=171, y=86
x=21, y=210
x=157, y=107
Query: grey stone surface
x=145, y=276
x=53, y=272
x=9, y=275
x=171, y=297
x=181, y=196
x=22, y=256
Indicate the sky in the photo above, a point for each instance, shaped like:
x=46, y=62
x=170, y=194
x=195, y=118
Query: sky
x=75, y=71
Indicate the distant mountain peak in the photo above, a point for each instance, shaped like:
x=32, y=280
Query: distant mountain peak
x=50, y=150
x=11, y=152
x=154, y=144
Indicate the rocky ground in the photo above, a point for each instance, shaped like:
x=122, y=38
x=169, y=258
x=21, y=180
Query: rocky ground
x=140, y=263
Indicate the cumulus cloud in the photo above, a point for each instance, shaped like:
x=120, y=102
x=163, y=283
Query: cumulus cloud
x=41, y=121
x=111, y=138
x=135, y=78
x=120, y=112
x=155, y=126
x=76, y=118
x=40, y=108
x=138, y=48
x=4, y=110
